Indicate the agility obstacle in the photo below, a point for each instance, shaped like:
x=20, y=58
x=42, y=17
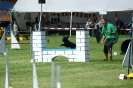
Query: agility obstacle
x=58, y=77
x=2, y=44
x=14, y=40
x=35, y=78
x=16, y=45
x=80, y=54
x=128, y=56
x=127, y=61
x=7, y=75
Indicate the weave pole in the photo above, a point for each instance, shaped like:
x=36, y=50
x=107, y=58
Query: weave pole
x=52, y=74
x=71, y=24
x=31, y=40
x=2, y=44
x=7, y=77
x=35, y=78
x=58, y=77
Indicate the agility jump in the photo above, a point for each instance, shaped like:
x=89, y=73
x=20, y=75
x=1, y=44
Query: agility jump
x=79, y=54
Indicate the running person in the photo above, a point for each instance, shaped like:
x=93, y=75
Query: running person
x=109, y=33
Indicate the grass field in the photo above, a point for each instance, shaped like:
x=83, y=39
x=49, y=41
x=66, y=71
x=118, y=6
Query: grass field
x=93, y=74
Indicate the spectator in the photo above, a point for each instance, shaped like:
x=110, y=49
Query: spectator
x=95, y=18
x=98, y=30
x=94, y=21
x=15, y=31
x=37, y=20
x=32, y=25
x=46, y=21
x=28, y=18
x=89, y=24
x=119, y=24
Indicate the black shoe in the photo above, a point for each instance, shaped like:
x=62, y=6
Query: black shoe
x=122, y=53
x=111, y=58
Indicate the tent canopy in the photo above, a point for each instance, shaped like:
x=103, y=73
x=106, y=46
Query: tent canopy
x=86, y=6
x=6, y=5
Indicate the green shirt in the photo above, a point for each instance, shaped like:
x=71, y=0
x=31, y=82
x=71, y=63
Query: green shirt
x=105, y=31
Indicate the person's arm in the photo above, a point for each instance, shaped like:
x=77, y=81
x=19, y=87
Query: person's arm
x=112, y=30
x=103, y=38
x=86, y=24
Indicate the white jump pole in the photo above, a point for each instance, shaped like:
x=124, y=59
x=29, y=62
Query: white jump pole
x=52, y=74
x=30, y=40
x=58, y=77
x=7, y=78
x=35, y=78
x=71, y=24
x=102, y=16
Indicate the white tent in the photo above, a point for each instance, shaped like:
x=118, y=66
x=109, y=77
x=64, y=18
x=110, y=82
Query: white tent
x=90, y=6
x=85, y=6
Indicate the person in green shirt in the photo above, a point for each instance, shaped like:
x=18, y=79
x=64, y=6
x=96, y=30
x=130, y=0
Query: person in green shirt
x=110, y=36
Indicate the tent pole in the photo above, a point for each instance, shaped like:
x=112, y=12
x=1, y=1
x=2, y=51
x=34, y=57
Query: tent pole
x=70, y=23
x=40, y=19
x=102, y=16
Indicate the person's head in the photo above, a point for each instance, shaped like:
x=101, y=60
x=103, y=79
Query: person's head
x=38, y=13
x=14, y=22
x=89, y=20
x=103, y=21
x=116, y=18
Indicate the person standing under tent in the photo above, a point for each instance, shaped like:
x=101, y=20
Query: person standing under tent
x=28, y=18
x=89, y=24
x=110, y=34
x=33, y=25
x=46, y=21
x=98, y=31
x=37, y=20
x=119, y=24
x=15, y=31
x=94, y=21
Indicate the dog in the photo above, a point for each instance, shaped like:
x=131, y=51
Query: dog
x=67, y=43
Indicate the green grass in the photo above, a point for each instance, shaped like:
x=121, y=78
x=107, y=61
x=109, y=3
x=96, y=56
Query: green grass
x=93, y=74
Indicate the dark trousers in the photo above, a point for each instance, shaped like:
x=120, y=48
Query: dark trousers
x=98, y=36
x=109, y=44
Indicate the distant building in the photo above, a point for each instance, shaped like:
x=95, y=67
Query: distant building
x=4, y=14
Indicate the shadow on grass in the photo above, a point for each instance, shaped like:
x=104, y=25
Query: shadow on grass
x=60, y=59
